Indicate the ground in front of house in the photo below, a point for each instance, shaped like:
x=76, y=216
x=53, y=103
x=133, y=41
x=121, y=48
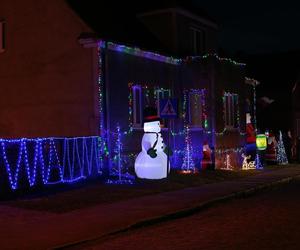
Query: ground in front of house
x=269, y=220
x=93, y=193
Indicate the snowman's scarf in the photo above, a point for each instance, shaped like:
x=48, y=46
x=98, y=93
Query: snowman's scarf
x=155, y=143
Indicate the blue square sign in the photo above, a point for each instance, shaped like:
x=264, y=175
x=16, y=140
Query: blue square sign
x=168, y=108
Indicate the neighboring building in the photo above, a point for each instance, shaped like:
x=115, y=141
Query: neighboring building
x=61, y=79
x=47, y=79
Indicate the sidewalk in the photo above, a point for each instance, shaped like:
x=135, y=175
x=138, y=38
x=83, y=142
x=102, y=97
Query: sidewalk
x=28, y=229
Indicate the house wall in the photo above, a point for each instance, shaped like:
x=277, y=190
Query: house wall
x=230, y=78
x=48, y=80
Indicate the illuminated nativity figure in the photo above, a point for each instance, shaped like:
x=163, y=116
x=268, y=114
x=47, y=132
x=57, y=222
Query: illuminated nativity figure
x=151, y=163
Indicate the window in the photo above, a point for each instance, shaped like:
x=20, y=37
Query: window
x=2, y=36
x=197, y=41
x=195, y=109
x=231, y=111
x=144, y=97
x=162, y=94
x=137, y=106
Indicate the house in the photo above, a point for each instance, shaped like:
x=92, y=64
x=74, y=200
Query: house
x=65, y=84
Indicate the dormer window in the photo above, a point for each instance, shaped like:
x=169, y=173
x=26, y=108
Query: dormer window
x=197, y=41
x=2, y=36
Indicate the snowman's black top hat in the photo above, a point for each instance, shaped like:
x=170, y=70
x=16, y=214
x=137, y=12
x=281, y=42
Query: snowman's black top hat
x=150, y=114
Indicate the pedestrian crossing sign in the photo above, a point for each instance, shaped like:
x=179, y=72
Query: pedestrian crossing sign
x=168, y=108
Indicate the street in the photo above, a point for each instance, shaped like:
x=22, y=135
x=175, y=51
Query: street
x=269, y=220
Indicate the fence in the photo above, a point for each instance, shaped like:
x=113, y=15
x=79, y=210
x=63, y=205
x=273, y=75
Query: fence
x=45, y=161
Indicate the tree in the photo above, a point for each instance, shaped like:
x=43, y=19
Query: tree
x=188, y=165
x=281, y=155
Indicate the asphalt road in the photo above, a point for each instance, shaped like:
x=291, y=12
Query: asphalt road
x=270, y=220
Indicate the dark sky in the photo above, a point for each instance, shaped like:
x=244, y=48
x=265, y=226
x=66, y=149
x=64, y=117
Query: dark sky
x=257, y=26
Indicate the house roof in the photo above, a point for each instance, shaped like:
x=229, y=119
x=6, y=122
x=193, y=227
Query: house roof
x=118, y=21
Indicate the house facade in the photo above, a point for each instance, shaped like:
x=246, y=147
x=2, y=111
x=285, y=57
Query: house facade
x=211, y=93
x=66, y=85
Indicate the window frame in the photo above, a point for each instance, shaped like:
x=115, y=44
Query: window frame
x=135, y=110
x=197, y=48
x=231, y=111
x=164, y=122
x=201, y=94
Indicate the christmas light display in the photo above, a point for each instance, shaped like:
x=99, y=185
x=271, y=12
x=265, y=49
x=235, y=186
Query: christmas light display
x=281, y=155
x=151, y=162
x=147, y=91
x=142, y=53
x=117, y=169
x=227, y=163
x=102, y=143
x=45, y=159
x=221, y=59
x=261, y=142
x=202, y=94
x=229, y=150
x=247, y=165
x=258, y=163
x=223, y=156
x=188, y=165
x=157, y=57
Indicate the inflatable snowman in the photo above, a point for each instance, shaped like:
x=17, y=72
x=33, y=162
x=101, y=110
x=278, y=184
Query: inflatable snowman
x=151, y=163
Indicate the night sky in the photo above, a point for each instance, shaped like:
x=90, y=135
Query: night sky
x=256, y=26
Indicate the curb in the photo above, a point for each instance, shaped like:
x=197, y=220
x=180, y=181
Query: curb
x=183, y=212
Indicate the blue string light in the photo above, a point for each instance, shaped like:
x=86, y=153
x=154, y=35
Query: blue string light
x=117, y=169
x=46, y=158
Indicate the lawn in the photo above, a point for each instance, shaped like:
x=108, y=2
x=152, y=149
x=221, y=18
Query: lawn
x=87, y=194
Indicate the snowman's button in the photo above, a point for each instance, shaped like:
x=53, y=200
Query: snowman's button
x=162, y=146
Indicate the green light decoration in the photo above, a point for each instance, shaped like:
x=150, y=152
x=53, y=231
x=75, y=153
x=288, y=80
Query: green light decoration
x=281, y=155
x=206, y=123
x=261, y=142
